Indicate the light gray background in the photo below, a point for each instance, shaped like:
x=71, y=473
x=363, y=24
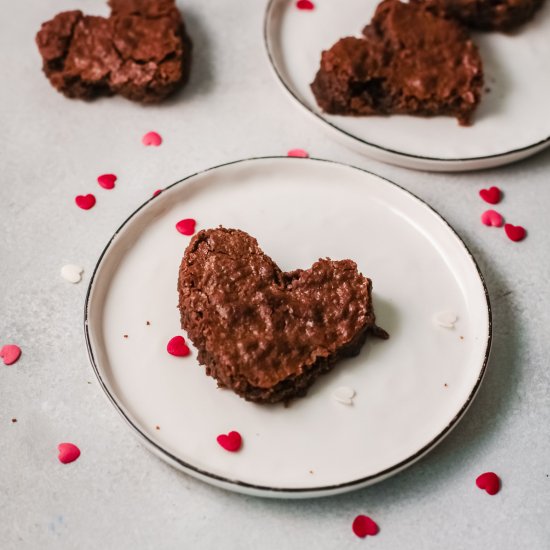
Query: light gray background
x=117, y=495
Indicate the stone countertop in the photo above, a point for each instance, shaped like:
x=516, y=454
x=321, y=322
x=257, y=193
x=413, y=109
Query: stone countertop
x=118, y=495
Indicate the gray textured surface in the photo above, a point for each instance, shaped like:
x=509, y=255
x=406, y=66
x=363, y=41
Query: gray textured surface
x=117, y=495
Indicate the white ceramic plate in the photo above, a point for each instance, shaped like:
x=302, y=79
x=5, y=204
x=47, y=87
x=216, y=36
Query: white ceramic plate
x=299, y=210
x=512, y=121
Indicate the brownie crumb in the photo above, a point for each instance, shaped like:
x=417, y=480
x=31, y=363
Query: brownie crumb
x=125, y=336
x=14, y=420
x=157, y=427
x=147, y=323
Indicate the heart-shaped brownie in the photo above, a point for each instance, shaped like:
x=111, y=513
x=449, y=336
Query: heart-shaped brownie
x=141, y=51
x=267, y=334
x=411, y=60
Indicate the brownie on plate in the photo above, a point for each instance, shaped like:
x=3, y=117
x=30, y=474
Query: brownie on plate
x=263, y=333
x=411, y=59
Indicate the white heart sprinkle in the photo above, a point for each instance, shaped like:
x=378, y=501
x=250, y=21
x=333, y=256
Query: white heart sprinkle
x=72, y=273
x=344, y=395
x=446, y=319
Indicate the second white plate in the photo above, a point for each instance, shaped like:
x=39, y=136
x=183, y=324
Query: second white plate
x=512, y=121
x=411, y=390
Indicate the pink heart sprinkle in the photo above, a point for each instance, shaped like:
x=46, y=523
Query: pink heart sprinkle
x=300, y=153
x=85, y=201
x=10, y=353
x=363, y=526
x=107, y=181
x=491, y=195
x=151, y=138
x=231, y=442
x=177, y=346
x=492, y=218
x=157, y=192
x=490, y=482
x=305, y=5
x=515, y=232
x=67, y=452
x=187, y=226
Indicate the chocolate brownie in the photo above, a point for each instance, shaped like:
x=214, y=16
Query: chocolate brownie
x=489, y=15
x=411, y=60
x=266, y=334
x=141, y=51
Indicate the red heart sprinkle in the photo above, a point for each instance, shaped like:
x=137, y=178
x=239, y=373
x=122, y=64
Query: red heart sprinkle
x=157, y=192
x=85, y=201
x=231, y=442
x=151, y=138
x=363, y=526
x=107, y=181
x=491, y=195
x=300, y=153
x=10, y=353
x=186, y=227
x=305, y=5
x=490, y=482
x=67, y=452
x=177, y=346
x=492, y=218
x=514, y=232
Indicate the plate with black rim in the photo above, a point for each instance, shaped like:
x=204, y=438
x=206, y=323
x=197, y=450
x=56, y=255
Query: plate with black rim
x=410, y=390
x=512, y=121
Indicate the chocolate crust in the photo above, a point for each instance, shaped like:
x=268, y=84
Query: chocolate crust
x=141, y=51
x=412, y=59
x=265, y=334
